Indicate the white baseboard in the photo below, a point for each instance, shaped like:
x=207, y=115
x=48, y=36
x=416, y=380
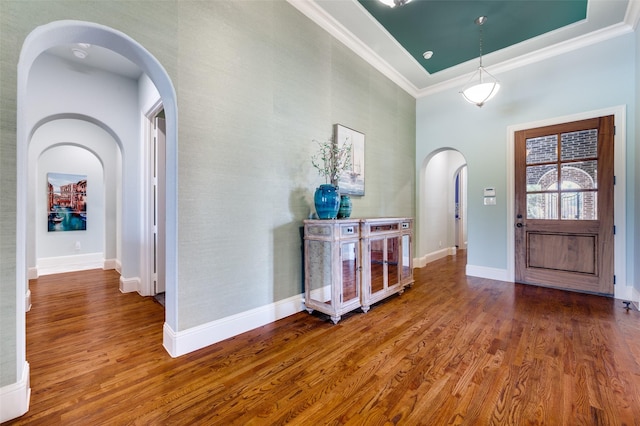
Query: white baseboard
x=129, y=285
x=486, y=272
x=32, y=273
x=27, y=300
x=15, y=397
x=183, y=342
x=628, y=294
x=433, y=256
x=623, y=292
x=60, y=264
x=109, y=264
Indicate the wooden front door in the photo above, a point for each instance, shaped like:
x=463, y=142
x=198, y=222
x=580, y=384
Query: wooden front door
x=564, y=206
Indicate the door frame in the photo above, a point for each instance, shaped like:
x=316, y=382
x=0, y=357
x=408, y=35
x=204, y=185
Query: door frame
x=460, y=223
x=69, y=32
x=621, y=290
x=148, y=251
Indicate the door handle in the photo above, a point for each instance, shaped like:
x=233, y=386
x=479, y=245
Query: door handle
x=520, y=225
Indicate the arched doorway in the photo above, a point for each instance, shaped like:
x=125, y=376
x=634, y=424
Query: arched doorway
x=84, y=146
x=441, y=205
x=37, y=42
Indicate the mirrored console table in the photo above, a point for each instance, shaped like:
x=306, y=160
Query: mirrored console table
x=353, y=263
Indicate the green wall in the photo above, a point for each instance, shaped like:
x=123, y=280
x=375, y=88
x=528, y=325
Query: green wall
x=256, y=82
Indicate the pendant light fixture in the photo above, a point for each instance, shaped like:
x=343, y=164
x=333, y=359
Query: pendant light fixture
x=394, y=3
x=482, y=86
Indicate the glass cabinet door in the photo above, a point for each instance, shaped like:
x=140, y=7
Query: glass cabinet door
x=350, y=279
x=319, y=277
x=377, y=265
x=385, y=263
x=393, y=261
x=406, y=254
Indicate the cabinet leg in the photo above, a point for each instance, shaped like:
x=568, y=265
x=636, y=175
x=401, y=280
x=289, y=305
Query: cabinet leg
x=310, y=310
x=335, y=319
x=365, y=309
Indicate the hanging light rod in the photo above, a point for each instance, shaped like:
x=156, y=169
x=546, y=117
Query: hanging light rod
x=394, y=3
x=482, y=86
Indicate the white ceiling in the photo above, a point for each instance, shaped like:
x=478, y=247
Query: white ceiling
x=100, y=58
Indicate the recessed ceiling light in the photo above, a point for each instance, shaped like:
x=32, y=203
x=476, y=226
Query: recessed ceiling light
x=428, y=54
x=79, y=53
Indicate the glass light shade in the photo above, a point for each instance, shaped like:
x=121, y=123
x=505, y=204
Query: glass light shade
x=394, y=3
x=483, y=90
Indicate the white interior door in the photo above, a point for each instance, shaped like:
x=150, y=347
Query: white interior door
x=159, y=220
x=460, y=227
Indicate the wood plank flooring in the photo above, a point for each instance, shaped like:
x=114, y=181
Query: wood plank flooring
x=450, y=350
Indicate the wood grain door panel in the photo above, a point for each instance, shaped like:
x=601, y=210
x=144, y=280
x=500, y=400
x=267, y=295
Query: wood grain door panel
x=564, y=206
x=569, y=253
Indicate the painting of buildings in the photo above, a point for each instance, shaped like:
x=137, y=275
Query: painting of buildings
x=67, y=196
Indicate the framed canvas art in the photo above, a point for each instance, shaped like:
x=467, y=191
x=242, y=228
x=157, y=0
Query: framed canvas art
x=67, y=202
x=351, y=181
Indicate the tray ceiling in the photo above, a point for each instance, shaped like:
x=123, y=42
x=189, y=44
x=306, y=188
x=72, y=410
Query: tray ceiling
x=516, y=32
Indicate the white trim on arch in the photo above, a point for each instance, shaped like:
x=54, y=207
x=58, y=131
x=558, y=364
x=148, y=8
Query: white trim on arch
x=622, y=290
x=68, y=32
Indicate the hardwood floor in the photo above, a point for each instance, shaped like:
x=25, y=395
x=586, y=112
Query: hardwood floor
x=450, y=350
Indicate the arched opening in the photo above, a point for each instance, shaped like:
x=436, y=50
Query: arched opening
x=441, y=206
x=74, y=144
x=70, y=32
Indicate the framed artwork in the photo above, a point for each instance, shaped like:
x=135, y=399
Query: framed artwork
x=351, y=181
x=67, y=202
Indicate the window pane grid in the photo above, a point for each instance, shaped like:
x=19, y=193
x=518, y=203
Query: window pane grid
x=542, y=149
x=561, y=180
x=579, y=145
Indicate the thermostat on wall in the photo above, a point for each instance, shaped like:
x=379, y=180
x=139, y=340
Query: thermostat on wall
x=490, y=196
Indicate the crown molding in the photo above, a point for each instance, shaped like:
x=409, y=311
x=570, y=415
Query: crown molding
x=536, y=56
x=322, y=18
x=318, y=15
x=632, y=17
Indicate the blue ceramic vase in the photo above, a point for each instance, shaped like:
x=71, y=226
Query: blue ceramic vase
x=344, y=211
x=327, y=201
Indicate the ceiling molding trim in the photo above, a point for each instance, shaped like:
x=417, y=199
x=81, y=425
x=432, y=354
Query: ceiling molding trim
x=533, y=57
x=312, y=11
x=391, y=38
x=632, y=17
